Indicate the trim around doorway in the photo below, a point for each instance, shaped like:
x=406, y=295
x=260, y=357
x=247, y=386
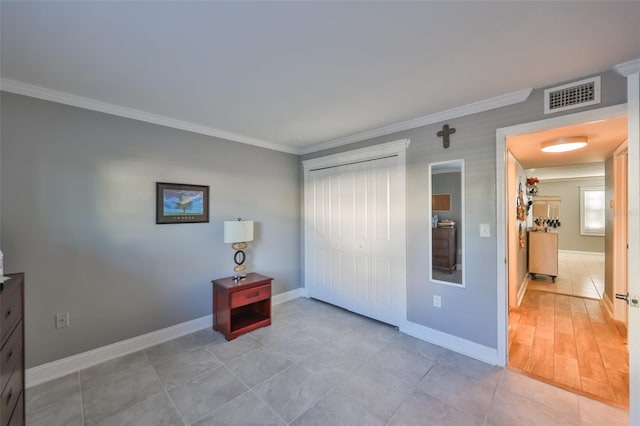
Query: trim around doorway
x=501, y=197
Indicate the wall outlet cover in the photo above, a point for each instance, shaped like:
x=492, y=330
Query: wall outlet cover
x=62, y=320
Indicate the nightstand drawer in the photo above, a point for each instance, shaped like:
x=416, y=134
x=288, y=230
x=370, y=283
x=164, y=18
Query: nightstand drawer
x=250, y=295
x=10, y=356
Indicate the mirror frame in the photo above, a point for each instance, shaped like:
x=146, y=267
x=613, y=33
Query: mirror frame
x=455, y=163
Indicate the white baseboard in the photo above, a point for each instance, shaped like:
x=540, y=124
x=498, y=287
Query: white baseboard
x=582, y=253
x=286, y=296
x=457, y=344
x=62, y=367
x=523, y=289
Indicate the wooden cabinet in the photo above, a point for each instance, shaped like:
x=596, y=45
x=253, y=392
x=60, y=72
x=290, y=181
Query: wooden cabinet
x=241, y=306
x=12, y=351
x=444, y=248
x=543, y=254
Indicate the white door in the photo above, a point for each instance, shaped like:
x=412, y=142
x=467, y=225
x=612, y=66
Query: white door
x=355, y=237
x=633, y=226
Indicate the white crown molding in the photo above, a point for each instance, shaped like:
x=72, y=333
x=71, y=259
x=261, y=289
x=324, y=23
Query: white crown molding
x=628, y=68
x=357, y=155
x=61, y=367
x=472, y=108
x=20, y=88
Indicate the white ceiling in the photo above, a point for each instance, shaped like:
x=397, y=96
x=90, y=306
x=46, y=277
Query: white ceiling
x=292, y=75
x=603, y=136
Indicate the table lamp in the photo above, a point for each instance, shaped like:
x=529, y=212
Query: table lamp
x=238, y=233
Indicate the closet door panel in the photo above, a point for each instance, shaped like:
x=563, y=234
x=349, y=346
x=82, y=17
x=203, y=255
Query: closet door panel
x=319, y=265
x=353, y=237
x=382, y=281
x=384, y=302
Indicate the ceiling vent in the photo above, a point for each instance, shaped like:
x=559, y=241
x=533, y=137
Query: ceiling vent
x=573, y=95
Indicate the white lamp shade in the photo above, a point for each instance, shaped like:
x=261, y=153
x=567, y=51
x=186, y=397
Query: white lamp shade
x=238, y=231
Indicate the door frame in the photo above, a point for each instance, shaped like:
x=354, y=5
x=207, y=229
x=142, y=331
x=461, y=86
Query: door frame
x=619, y=308
x=396, y=148
x=501, y=198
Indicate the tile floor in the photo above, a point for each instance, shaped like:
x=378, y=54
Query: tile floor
x=572, y=342
x=578, y=275
x=316, y=365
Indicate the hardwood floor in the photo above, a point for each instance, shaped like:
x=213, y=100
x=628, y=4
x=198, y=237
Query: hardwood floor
x=570, y=342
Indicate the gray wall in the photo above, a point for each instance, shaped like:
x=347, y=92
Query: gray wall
x=569, y=237
x=78, y=210
x=609, y=195
x=469, y=313
x=449, y=183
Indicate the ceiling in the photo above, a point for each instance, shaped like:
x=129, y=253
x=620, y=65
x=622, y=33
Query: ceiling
x=604, y=137
x=292, y=75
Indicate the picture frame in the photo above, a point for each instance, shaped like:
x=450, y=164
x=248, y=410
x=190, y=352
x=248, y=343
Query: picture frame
x=181, y=203
x=441, y=202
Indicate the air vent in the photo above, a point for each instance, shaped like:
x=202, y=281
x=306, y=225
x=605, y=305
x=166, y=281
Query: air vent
x=573, y=95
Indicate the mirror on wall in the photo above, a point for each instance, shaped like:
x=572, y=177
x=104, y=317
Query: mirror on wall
x=446, y=237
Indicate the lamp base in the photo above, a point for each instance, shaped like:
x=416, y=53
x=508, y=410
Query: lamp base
x=238, y=277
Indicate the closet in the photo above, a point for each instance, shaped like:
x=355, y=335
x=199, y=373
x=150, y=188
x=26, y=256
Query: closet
x=355, y=232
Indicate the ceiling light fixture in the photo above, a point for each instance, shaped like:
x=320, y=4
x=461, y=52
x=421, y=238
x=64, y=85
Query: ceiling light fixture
x=564, y=144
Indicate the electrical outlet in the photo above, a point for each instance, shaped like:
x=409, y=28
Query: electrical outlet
x=485, y=230
x=62, y=320
x=437, y=301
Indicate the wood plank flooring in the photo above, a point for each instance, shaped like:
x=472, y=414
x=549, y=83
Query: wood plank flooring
x=570, y=342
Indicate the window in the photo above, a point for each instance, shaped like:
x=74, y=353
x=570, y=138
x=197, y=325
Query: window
x=592, y=210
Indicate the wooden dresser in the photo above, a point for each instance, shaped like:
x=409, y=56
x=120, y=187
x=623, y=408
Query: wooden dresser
x=12, y=409
x=241, y=306
x=444, y=248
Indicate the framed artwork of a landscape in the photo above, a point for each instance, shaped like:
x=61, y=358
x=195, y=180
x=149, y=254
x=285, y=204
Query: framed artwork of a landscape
x=181, y=203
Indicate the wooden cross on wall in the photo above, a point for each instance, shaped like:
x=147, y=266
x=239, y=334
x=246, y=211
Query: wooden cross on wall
x=444, y=134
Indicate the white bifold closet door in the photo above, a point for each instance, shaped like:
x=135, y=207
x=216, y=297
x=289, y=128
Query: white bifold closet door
x=355, y=238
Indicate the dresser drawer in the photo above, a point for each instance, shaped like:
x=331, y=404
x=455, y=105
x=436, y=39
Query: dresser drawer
x=17, y=419
x=250, y=295
x=10, y=397
x=10, y=356
x=442, y=261
x=10, y=306
x=440, y=244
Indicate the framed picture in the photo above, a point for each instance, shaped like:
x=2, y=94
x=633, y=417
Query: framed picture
x=181, y=203
x=441, y=202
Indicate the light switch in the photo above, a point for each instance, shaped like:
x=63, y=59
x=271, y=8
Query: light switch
x=485, y=231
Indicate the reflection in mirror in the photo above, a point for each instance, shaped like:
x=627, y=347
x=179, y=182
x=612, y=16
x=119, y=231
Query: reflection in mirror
x=446, y=206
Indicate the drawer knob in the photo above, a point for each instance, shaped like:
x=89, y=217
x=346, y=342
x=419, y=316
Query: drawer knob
x=8, y=313
x=249, y=296
x=9, y=396
x=9, y=355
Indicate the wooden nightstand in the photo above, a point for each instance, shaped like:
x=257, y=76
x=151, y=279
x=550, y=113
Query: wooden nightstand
x=241, y=306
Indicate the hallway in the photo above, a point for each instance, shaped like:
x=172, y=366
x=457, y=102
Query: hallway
x=572, y=343
x=579, y=274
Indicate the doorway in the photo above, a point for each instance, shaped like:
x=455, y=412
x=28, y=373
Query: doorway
x=538, y=309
